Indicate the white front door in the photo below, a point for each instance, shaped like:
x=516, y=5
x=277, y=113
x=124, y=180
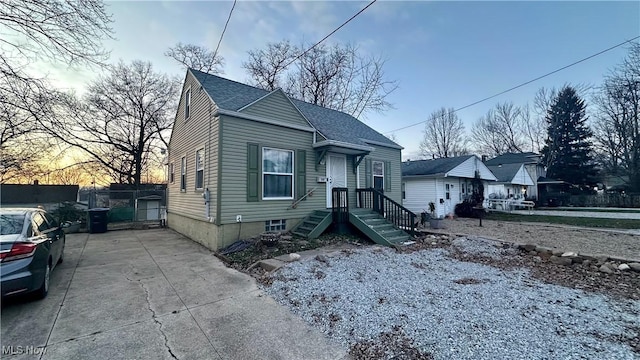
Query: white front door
x=451, y=195
x=336, y=174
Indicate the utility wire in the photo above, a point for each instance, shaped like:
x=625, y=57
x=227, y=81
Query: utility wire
x=225, y=28
x=524, y=83
x=215, y=53
x=331, y=33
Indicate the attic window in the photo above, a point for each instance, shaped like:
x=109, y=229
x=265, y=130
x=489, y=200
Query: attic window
x=187, y=104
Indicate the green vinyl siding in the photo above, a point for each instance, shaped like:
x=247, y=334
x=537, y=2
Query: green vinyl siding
x=238, y=134
x=200, y=130
x=276, y=106
x=392, y=173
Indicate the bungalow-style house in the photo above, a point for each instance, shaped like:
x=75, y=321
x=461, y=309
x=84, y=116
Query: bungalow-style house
x=513, y=181
x=243, y=160
x=446, y=182
x=532, y=164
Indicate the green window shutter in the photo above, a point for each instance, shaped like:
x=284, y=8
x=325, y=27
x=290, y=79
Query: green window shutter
x=387, y=176
x=367, y=173
x=253, y=172
x=301, y=173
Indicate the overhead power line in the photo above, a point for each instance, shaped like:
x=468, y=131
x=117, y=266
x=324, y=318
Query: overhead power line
x=331, y=33
x=225, y=28
x=524, y=83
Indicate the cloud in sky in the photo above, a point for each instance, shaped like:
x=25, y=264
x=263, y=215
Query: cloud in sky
x=442, y=53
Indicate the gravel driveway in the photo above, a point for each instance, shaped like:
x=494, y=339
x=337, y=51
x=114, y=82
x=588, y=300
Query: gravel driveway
x=426, y=304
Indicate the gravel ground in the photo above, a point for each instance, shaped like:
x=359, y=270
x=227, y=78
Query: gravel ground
x=431, y=303
x=579, y=240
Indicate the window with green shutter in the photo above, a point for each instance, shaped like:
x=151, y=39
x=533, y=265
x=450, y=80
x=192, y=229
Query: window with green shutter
x=253, y=172
x=301, y=173
x=387, y=175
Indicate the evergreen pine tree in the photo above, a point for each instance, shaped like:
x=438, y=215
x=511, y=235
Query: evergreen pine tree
x=568, y=151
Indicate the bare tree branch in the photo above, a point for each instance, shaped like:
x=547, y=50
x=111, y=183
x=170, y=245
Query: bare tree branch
x=443, y=135
x=336, y=77
x=196, y=57
x=121, y=120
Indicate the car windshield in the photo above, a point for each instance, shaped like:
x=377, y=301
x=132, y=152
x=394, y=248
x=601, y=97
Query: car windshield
x=11, y=224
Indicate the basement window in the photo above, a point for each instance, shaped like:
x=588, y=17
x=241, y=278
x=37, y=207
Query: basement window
x=275, y=225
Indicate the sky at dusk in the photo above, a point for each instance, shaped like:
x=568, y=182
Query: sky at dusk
x=441, y=53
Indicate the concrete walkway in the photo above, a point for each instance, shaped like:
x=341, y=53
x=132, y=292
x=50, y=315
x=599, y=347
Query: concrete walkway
x=153, y=294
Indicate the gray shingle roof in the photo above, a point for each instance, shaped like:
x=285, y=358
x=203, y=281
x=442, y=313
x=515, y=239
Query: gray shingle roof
x=432, y=167
x=506, y=172
x=513, y=158
x=333, y=124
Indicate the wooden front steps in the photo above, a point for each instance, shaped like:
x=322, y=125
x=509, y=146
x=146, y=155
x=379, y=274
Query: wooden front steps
x=377, y=228
x=314, y=224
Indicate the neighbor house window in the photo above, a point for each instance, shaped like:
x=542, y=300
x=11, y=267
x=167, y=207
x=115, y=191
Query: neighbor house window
x=199, y=169
x=277, y=174
x=447, y=189
x=378, y=175
x=187, y=104
x=172, y=173
x=275, y=225
x=404, y=195
x=183, y=174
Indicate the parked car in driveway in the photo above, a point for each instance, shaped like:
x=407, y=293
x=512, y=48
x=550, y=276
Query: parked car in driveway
x=31, y=245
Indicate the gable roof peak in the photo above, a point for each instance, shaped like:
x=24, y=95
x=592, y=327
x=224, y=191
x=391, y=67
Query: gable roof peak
x=332, y=124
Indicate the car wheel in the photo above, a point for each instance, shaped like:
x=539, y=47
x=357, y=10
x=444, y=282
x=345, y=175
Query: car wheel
x=42, y=292
x=61, y=258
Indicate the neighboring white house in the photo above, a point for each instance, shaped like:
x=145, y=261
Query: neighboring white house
x=513, y=181
x=532, y=164
x=446, y=182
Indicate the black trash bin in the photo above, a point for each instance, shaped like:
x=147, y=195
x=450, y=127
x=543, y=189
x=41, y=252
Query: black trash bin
x=97, y=220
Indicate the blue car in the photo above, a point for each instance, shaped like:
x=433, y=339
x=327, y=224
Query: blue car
x=31, y=245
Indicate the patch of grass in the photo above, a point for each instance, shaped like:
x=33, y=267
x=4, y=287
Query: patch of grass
x=607, y=210
x=567, y=220
x=257, y=251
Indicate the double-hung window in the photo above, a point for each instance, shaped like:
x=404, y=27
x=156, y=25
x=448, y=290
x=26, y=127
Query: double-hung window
x=183, y=174
x=172, y=173
x=200, y=169
x=277, y=174
x=378, y=175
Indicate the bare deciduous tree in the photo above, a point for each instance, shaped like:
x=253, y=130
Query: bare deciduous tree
x=443, y=135
x=196, y=57
x=617, y=121
x=124, y=118
x=59, y=31
x=266, y=67
x=500, y=130
x=336, y=77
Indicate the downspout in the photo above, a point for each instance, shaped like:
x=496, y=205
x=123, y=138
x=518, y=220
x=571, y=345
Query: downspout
x=206, y=194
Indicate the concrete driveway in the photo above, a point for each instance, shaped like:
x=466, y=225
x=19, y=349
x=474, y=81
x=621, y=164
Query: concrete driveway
x=153, y=294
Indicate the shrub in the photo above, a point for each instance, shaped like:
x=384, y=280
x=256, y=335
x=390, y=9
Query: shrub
x=467, y=209
x=68, y=212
